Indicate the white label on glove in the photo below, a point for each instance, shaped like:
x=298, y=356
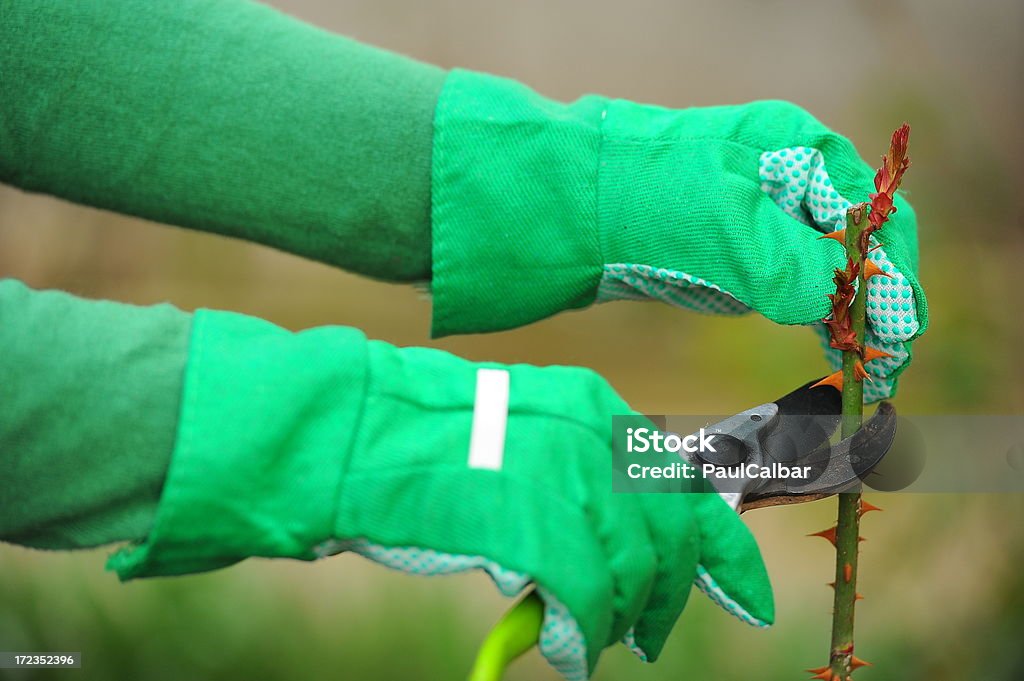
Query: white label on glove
x=490, y=416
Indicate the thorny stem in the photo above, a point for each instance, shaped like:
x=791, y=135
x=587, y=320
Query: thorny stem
x=846, y=328
x=848, y=524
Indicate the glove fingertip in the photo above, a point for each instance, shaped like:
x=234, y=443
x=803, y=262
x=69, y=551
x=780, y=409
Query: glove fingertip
x=755, y=607
x=653, y=628
x=731, y=571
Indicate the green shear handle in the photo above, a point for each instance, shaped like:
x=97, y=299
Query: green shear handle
x=513, y=635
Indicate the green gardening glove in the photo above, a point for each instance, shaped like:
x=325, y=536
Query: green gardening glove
x=304, y=445
x=540, y=207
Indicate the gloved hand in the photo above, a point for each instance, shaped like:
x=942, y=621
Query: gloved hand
x=540, y=207
x=303, y=445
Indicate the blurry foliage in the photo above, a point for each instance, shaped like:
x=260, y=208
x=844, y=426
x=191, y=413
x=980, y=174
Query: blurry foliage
x=945, y=600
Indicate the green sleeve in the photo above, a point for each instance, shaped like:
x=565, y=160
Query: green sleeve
x=224, y=116
x=89, y=394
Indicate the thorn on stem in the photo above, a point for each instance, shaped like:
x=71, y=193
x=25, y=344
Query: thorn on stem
x=835, y=380
x=829, y=534
x=838, y=235
x=871, y=354
x=873, y=270
x=865, y=507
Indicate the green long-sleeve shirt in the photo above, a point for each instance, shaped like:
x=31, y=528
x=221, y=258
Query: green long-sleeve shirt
x=219, y=115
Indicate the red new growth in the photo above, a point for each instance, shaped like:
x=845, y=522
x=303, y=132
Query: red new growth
x=840, y=324
x=887, y=181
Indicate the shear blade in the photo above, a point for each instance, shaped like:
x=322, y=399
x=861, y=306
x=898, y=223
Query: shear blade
x=807, y=418
x=834, y=469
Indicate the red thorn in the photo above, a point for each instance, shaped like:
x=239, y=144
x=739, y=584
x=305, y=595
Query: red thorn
x=847, y=572
x=865, y=507
x=858, y=371
x=857, y=663
x=873, y=270
x=839, y=235
x=857, y=597
x=824, y=676
x=816, y=670
x=829, y=534
x=835, y=380
x=871, y=353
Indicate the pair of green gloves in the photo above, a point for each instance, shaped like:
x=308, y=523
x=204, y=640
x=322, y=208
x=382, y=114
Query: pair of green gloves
x=306, y=444
x=302, y=445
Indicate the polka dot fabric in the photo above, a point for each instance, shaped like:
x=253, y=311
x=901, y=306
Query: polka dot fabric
x=798, y=182
x=561, y=640
x=625, y=281
x=629, y=640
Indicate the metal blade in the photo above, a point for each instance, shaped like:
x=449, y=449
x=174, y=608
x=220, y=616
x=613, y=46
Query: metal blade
x=841, y=467
x=808, y=417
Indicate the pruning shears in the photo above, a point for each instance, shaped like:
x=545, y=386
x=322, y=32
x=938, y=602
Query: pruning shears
x=789, y=440
x=774, y=454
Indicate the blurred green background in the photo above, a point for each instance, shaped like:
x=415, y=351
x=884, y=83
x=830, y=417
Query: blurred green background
x=941, y=574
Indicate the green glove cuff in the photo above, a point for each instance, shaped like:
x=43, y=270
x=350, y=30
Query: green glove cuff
x=249, y=476
x=514, y=205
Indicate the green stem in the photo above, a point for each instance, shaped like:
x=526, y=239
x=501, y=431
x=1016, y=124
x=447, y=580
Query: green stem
x=848, y=521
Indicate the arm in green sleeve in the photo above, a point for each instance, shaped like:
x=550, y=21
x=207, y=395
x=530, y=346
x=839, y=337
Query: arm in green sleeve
x=89, y=396
x=211, y=438
x=224, y=116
